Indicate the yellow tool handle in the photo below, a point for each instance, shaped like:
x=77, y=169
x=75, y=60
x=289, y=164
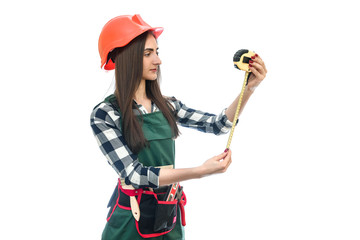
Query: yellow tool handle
x=237, y=110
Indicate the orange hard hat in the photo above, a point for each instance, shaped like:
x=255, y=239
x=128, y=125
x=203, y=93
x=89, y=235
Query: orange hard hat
x=118, y=32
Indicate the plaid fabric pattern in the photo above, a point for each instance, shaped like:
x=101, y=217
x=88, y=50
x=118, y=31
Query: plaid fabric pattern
x=201, y=121
x=105, y=123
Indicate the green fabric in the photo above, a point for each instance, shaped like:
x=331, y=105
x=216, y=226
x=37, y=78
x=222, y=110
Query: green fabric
x=161, y=152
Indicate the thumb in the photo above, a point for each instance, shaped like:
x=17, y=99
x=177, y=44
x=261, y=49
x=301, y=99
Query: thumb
x=221, y=156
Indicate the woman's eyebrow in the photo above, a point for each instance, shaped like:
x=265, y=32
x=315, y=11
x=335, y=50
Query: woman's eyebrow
x=150, y=49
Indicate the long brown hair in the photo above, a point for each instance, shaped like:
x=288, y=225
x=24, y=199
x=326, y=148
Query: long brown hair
x=128, y=73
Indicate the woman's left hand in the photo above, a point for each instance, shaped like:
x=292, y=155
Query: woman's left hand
x=258, y=69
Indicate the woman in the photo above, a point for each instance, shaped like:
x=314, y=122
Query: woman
x=136, y=126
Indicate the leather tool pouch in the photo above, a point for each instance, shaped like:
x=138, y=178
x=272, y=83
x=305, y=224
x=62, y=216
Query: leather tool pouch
x=157, y=216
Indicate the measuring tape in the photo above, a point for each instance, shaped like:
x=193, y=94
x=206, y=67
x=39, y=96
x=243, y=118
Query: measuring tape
x=241, y=61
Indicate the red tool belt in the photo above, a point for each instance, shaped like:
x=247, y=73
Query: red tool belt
x=157, y=216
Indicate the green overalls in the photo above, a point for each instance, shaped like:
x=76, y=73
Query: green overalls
x=161, y=152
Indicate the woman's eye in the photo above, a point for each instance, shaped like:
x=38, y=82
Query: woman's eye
x=147, y=54
x=157, y=53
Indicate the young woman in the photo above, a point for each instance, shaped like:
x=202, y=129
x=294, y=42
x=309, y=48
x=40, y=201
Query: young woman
x=136, y=126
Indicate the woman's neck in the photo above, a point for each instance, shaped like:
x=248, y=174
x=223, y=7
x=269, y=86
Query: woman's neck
x=141, y=97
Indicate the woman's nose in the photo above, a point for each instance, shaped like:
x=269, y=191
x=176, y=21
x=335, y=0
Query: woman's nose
x=157, y=60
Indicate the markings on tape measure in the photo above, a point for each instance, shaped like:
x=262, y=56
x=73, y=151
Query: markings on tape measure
x=237, y=110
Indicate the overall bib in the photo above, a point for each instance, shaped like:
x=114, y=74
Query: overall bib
x=121, y=223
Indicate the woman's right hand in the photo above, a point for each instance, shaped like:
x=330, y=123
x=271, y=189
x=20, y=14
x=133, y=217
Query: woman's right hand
x=217, y=164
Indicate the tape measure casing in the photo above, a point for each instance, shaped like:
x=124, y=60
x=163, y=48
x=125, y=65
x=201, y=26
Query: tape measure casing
x=241, y=59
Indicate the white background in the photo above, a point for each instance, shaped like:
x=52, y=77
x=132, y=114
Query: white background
x=295, y=171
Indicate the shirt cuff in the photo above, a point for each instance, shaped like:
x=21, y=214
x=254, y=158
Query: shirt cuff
x=228, y=123
x=154, y=173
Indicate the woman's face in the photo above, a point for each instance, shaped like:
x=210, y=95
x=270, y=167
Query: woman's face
x=151, y=60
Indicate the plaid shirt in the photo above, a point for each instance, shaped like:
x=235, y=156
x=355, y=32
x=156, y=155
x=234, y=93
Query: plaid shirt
x=106, y=127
